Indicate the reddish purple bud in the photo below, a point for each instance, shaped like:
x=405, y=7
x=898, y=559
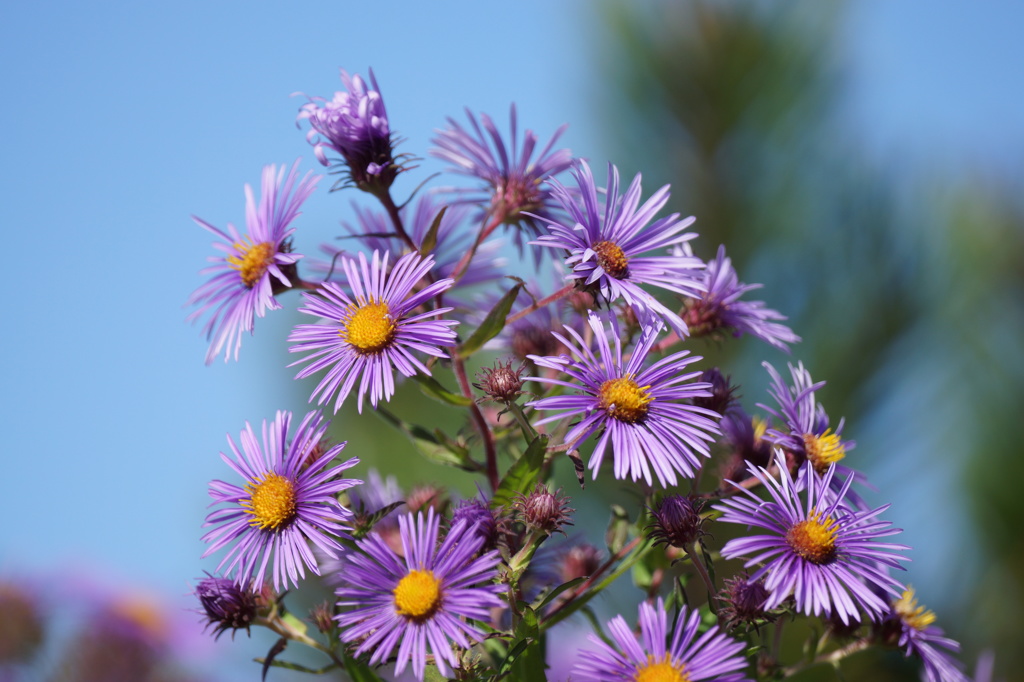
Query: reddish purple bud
x=677, y=521
x=544, y=510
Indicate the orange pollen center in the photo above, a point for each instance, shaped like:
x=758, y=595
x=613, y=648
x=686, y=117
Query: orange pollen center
x=814, y=539
x=370, y=328
x=917, y=617
x=824, y=449
x=661, y=671
x=612, y=259
x=272, y=502
x=253, y=262
x=418, y=595
x=624, y=399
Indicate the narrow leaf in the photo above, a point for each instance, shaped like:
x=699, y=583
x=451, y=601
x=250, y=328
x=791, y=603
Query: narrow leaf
x=433, y=388
x=493, y=323
x=430, y=240
x=523, y=475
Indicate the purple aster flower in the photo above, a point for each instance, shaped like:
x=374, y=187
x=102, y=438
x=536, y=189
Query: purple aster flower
x=514, y=191
x=606, y=248
x=375, y=329
x=687, y=657
x=375, y=232
x=640, y=411
x=420, y=601
x=720, y=307
x=824, y=554
x=255, y=266
x=909, y=626
x=287, y=502
x=354, y=125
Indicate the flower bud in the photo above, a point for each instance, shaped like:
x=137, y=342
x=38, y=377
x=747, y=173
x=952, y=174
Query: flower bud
x=544, y=510
x=480, y=520
x=743, y=602
x=226, y=605
x=501, y=383
x=322, y=616
x=722, y=392
x=677, y=521
x=427, y=496
x=580, y=561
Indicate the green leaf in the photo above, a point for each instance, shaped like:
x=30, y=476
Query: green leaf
x=523, y=475
x=525, y=659
x=433, y=388
x=357, y=670
x=430, y=240
x=493, y=323
x=439, y=449
x=432, y=674
x=546, y=599
x=618, y=529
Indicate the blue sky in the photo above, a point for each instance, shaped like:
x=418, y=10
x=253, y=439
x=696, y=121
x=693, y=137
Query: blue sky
x=122, y=119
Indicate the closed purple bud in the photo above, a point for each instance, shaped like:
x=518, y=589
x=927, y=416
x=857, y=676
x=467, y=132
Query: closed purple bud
x=226, y=605
x=544, y=510
x=677, y=521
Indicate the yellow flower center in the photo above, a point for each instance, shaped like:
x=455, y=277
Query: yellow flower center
x=612, y=259
x=369, y=327
x=418, y=595
x=272, y=502
x=661, y=671
x=917, y=617
x=814, y=539
x=624, y=399
x=760, y=427
x=253, y=262
x=823, y=450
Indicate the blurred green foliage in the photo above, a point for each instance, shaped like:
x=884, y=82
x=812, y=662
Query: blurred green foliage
x=906, y=289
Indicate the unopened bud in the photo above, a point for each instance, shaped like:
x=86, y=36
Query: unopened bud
x=545, y=510
x=501, y=383
x=480, y=521
x=322, y=616
x=743, y=602
x=722, y=392
x=226, y=605
x=425, y=497
x=677, y=521
x=580, y=561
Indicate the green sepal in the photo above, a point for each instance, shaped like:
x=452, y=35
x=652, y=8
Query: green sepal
x=521, y=476
x=493, y=323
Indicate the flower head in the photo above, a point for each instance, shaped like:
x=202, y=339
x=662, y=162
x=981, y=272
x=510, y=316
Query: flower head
x=911, y=628
x=606, y=248
x=286, y=503
x=720, y=308
x=255, y=266
x=656, y=658
x=640, y=411
x=373, y=330
x=515, y=192
x=742, y=602
x=421, y=601
x=825, y=555
x=355, y=125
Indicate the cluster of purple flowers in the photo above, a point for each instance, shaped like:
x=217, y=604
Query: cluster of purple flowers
x=596, y=355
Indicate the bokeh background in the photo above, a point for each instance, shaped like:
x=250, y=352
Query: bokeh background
x=862, y=160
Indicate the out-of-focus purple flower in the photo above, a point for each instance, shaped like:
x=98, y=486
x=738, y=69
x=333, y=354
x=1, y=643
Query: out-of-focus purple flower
x=910, y=627
x=286, y=503
x=421, y=601
x=255, y=266
x=372, y=331
x=606, y=247
x=825, y=555
x=514, y=184
x=688, y=655
x=373, y=231
x=354, y=125
x=641, y=411
x=720, y=308
x=480, y=520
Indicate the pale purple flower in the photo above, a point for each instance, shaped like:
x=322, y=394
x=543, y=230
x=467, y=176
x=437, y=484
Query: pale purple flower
x=911, y=627
x=821, y=552
x=255, y=266
x=288, y=501
x=641, y=413
x=376, y=329
x=514, y=182
x=420, y=602
x=355, y=126
x=679, y=654
x=606, y=248
x=720, y=307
